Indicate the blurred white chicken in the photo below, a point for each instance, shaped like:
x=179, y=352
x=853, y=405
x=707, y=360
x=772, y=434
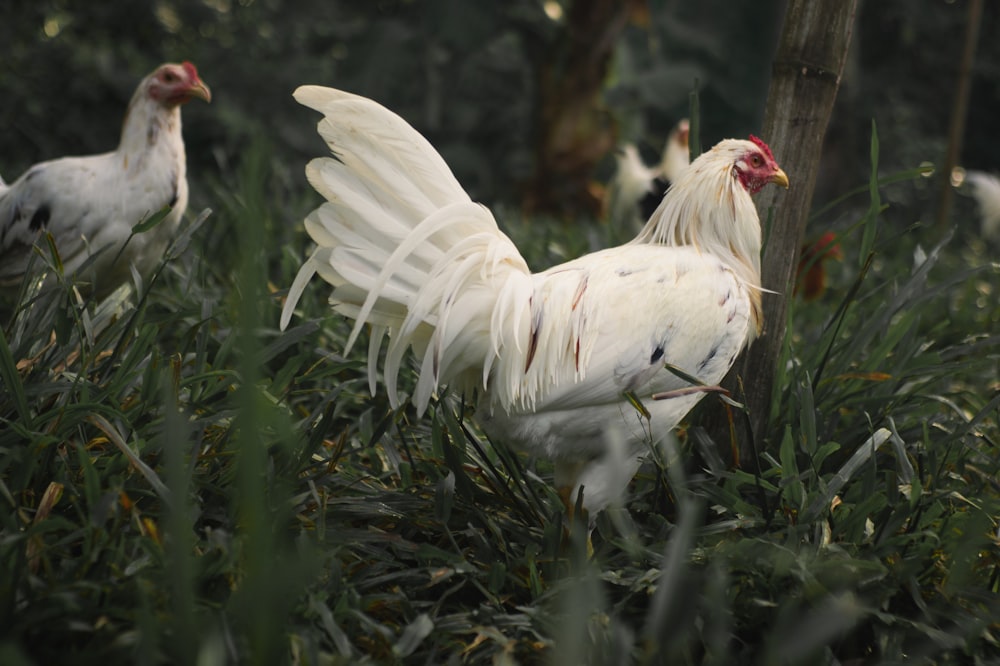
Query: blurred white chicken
x=90, y=204
x=637, y=189
x=986, y=191
x=558, y=359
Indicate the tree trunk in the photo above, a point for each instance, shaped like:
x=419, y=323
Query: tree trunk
x=805, y=77
x=959, y=110
x=575, y=130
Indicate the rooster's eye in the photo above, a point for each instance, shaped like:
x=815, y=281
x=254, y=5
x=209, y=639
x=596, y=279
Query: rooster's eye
x=756, y=161
x=169, y=77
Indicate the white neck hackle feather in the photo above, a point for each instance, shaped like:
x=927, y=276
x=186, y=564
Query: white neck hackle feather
x=708, y=208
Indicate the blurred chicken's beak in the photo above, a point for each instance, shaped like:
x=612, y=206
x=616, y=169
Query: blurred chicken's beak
x=200, y=90
x=779, y=178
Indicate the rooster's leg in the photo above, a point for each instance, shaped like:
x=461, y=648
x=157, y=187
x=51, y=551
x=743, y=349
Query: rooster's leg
x=572, y=504
x=566, y=475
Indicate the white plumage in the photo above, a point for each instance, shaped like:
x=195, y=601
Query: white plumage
x=551, y=355
x=90, y=204
x=986, y=191
x=637, y=189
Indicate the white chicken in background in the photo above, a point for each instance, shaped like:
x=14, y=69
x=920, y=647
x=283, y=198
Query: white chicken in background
x=986, y=191
x=636, y=189
x=90, y=204
x=558, y=358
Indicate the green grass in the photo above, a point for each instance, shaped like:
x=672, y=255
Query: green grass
x=184, y=483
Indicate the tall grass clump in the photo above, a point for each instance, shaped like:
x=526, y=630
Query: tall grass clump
x=186, y=484
x=149, y=466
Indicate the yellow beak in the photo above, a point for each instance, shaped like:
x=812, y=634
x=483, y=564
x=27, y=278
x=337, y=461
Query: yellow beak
x=779, y=178
x=200, y=90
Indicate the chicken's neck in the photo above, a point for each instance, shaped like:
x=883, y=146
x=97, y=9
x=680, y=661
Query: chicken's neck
x=708, y=209
x=149, y=127
x=675, y=160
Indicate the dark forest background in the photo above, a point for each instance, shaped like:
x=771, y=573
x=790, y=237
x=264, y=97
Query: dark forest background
x=467, y=74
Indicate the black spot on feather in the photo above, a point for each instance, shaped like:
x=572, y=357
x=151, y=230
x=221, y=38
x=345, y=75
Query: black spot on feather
x=173, y=192
x=533, y=341
x=712, y=353
x=656, y=356
x=40, y=218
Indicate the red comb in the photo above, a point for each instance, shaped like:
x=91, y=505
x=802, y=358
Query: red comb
x=190, y=69
x=763, y=146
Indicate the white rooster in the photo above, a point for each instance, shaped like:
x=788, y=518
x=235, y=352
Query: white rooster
x=90, y=204
x=559, y=357
x=636, y=189
x=986, y=191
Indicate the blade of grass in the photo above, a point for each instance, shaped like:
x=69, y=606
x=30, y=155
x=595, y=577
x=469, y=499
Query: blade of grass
x=12, y=382
x=861, y=456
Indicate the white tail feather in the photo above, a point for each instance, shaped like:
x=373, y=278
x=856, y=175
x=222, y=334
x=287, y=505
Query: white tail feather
x=407, y=251
x=378, y=135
